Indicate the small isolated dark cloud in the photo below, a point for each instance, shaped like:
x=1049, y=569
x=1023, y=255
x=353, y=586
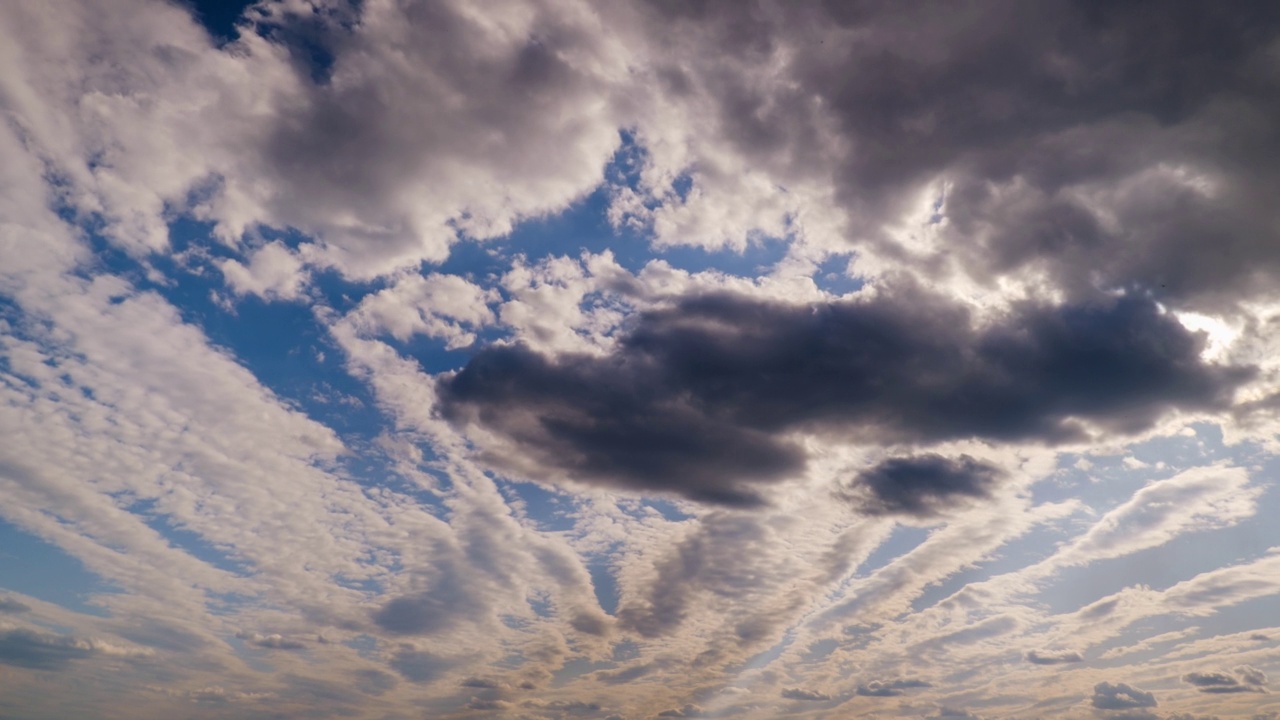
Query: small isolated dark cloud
x=1242, y=679
x=1053, y=658
x=419, y=666
x=1121, y=696
x=701, y=399
x=802, y=694
x=924, y=485
x=891, y=688
x=11, y=606
x=41, y=651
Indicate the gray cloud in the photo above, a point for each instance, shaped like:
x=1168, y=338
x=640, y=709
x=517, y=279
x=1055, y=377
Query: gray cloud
x=273, y=641
x=698, y=400
x=1120, y=696
x=41, y=651
x=891, y=688
x=923, y=485
x=1243, y=679
x=419, y=666
x=1025, y=111
x=806, y=695
x=1053, y=658
x=11, y=606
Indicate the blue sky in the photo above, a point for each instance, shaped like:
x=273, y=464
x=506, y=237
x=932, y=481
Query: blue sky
x=560, y=360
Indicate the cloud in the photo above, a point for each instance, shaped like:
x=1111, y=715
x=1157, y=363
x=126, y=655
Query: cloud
x=699, y=400
x=806, y=695
x=891, y=688
x=1053, y=658
x=419, y=666
x=11, y=606
x=1243, y=679
x=688, y=711
x=924, y=485
x=1120, y=696
x=42, y=651
x=273, y=641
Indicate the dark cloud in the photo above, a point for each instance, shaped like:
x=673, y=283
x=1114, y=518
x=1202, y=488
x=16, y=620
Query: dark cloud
x=892, y=688
x=11, y=606
x=449, y=598
x=1243, y=679
x=1070, y=133
x=1120, y=696
x=923, y=485
x=419, y=666
x=699, y=399
x=41, y=651
x=374, y=682
x=807, y=695
x=1053, y=658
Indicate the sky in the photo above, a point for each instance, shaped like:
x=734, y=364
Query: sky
x=562, y=359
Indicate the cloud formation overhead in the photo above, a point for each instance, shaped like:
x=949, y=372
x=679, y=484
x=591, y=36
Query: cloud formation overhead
x=552, y=359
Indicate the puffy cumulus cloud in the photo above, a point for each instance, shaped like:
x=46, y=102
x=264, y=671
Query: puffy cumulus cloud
x=1120, y=696
x=703, y=399
x=441, y=306
x=1242, y=679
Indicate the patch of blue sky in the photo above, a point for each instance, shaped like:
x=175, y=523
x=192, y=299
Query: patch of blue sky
x=605, y=583
x=366, y=646
x=39, y=569
x=1181, y=558
x=820, y=650
x=1025, y=551
x=761, y=253
x=575, y=668
x=368, y=466
x=552, y=511
x=902, y=540
x=584, y=227
x=832, y=275
x=227, y=604
x=189, y=541
x=762, y=659
x=219, y=17
x=641, y=508
x=541, y=606
x=284, y=344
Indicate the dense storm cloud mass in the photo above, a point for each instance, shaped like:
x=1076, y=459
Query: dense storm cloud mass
x=552, y=359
